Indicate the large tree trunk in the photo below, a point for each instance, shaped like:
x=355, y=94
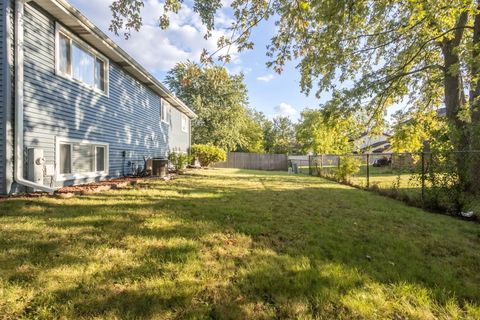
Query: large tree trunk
x=475, y=108
x=455, y=101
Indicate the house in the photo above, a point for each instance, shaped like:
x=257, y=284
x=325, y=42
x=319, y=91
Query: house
x=442, y=112
x=372, y=143
x=74, y=106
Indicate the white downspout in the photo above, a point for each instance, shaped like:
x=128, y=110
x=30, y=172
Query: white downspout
x=18, y=170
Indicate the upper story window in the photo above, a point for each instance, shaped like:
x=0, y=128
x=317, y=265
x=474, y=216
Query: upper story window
x=165, y=111
x=78, y=61
x=184, y=123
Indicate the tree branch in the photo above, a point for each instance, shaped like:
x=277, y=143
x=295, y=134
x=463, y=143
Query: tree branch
x=404, y=74
x=375, y=34
x=244, y=32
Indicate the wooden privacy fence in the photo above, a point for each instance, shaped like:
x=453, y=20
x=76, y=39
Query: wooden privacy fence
x=255, y=161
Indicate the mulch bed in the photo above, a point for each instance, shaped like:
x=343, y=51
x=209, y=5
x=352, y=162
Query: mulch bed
x=99, y=186
x=87, y=188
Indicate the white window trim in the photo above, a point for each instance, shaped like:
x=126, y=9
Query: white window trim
x=184, y=129
x=167, y=106
x=60, y=29
x=84, y=175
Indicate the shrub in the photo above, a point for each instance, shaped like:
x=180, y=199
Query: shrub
x=178, y=160
x=348, y=166
x=208, y=154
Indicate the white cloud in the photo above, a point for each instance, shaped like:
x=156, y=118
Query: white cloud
x=266, y=78
x=237, y=69
x=285, y=110
x=157, y=49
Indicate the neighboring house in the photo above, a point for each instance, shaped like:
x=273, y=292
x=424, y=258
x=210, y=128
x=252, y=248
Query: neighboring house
x=442, y=112
x=372, y=143
x=74, y=106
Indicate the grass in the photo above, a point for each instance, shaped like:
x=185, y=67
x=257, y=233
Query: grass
x=406, y=185
x=384, y=178
x=381, y=177
x=395, y=183
x=232, y=244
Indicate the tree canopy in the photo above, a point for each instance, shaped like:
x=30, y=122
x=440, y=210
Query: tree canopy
x=220, y=101
x=279, y=135
x=224, y=117
x=322, y=133
x=413, y=128
x=253, y=132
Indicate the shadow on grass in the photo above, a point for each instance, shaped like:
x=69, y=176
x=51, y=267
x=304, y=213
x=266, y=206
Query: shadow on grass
x=224, y=250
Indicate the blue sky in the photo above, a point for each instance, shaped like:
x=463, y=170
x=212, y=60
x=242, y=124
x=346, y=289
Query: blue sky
x=158, y=50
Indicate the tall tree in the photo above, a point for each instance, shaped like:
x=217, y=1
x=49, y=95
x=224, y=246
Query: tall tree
x=253, y=132
x=220, y=101
x=412, y=128
x=279, y=135
x=388, y=49
x=323, y=133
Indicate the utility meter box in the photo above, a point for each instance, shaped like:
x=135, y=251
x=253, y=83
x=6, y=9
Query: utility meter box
x=36, y=164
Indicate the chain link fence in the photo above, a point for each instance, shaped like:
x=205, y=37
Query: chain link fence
x=426, y=179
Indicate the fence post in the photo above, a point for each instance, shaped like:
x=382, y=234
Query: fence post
x=368, y=170
x=321, y=165
x=423, y=177
x=338, y=166
x=309, y=165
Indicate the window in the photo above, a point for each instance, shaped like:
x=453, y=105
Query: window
x=184, y=123
x=64, y=55
x=81, y=159
x=78, y=61
x=65, y=158
x=99, y=158
x=165, y=112
x=100, y=74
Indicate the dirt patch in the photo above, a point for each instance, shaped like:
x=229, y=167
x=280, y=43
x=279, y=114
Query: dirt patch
x=89, y=188
x=99, y=186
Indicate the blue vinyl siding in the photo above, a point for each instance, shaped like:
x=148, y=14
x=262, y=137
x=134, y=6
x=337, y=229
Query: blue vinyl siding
x=128, y=119
x=179, y=140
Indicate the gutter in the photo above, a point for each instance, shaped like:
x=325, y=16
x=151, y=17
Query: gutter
x=19, y=53
x=7, y=94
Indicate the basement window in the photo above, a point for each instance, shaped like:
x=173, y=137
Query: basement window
x=78, y=61
x=99, y=158
x=65, y=158
x=77, y=159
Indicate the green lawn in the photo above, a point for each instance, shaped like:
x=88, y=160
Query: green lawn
x=384, y=178
x=403, y=182
x=407, y=185
x=231, y=244
x=381, y=177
